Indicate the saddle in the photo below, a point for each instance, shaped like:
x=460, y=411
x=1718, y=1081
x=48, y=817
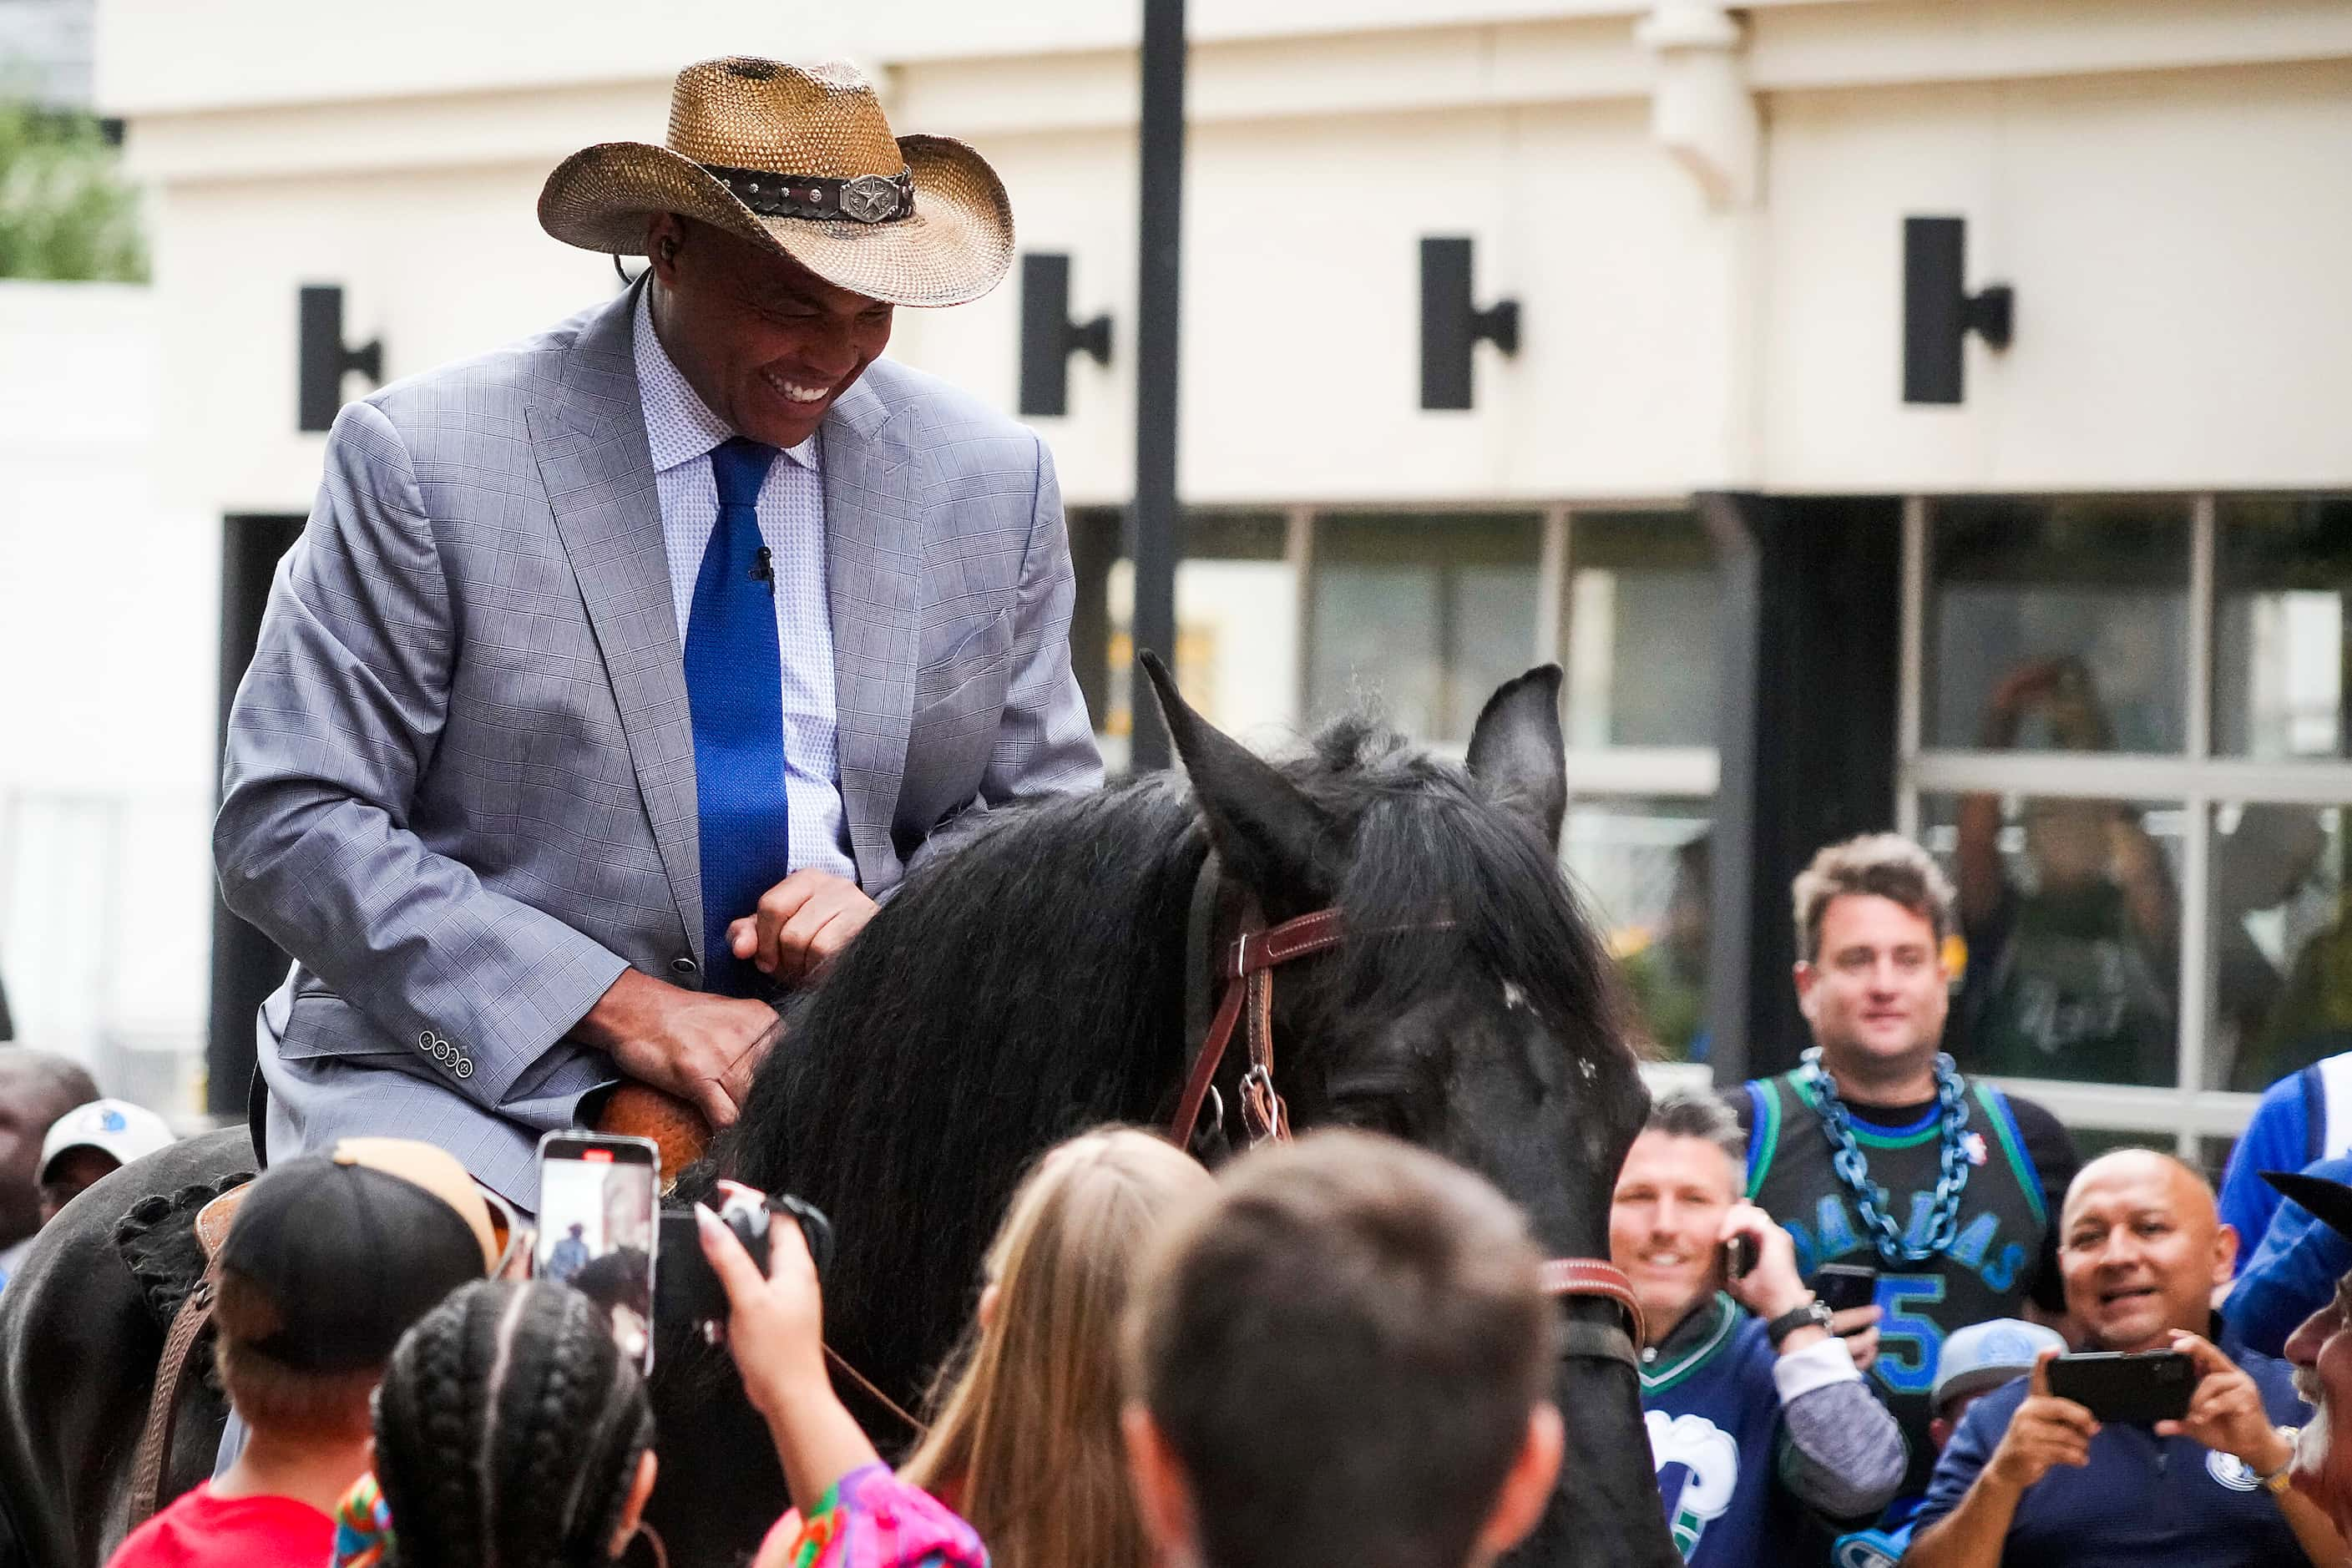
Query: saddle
x=640, y=1110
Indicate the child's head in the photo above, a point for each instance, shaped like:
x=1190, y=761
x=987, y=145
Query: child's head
x=510, y=1430
x=1345, y=1358
x=329, y=1260
x=1026, y=1430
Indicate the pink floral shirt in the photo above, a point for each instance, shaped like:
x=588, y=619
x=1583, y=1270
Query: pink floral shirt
x=871, y=1519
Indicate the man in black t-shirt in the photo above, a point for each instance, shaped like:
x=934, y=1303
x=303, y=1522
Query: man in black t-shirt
x=1877, y=1151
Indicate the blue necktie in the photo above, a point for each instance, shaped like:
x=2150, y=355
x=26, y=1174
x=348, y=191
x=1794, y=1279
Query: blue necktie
x=734, y=686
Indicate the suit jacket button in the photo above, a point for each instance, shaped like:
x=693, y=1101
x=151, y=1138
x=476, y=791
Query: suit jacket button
x=683, y=966
x=465, y=1067
x=424, y=1041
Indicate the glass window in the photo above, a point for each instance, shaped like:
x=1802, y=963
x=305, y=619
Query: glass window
x=2213, y=1159
x=1094, y=551
x=2281, y=636
x=2058, y=625
x=2090, y=1143
x=2282, y=942
x=1237, y=630
x=1644, y=610
x=2071, y=916
x=1421, y=615
x=1642, y=866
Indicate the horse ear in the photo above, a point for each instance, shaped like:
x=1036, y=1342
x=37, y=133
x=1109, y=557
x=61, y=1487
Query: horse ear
x=1516, y=751
x=1272, y=838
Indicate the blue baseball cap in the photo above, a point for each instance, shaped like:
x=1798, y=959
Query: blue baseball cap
x=1986, y=1355
x=2330, y=1203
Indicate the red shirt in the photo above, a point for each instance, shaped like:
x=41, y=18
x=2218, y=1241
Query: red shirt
x=201, y=1530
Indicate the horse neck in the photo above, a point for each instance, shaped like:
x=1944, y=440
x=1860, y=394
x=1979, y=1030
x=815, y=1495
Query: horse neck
x=1004, y=1004
x=1604, y=1507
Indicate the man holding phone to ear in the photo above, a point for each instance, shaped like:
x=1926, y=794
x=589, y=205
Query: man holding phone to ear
x=1752, y=1410
x=2033, y=1478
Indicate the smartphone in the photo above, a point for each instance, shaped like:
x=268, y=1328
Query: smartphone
x=2139, y=1388
x=1739, y=1258
x=1841, y=1286
x=599, y=1196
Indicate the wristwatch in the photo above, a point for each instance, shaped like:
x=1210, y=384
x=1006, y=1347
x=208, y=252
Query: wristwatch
x=1813, y=1315
x=2279, y=1480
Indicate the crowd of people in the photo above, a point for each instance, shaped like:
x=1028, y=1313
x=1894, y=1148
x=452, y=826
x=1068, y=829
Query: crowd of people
x=1157, y=1361
x=58, y=1136
x=1991, y=1250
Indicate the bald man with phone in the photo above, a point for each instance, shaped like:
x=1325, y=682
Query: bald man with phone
x=2032, y=1478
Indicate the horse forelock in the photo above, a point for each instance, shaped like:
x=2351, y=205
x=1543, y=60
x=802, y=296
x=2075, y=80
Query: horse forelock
x=1427, y=846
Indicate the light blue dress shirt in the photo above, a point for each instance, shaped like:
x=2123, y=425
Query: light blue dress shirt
x=681, y=430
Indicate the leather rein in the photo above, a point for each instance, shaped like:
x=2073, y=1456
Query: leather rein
x=1246, y=967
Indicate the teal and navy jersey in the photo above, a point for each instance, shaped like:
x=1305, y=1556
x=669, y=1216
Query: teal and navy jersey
x=2020, y=1161
x=1714, y=1416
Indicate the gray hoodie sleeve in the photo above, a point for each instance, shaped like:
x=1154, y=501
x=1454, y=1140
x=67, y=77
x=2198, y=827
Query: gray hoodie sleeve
x=1842, y=1453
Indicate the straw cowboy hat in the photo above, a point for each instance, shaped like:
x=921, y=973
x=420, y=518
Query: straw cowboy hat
x=798, y=159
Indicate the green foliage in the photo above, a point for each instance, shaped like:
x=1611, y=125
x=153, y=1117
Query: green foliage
x=64, y=213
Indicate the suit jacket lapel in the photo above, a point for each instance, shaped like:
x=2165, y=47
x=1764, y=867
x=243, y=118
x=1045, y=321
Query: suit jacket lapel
x=599, y=475
x=873, y=575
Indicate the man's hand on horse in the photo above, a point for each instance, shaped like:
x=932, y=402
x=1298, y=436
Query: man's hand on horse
x=801, y=924
x=698, y=1047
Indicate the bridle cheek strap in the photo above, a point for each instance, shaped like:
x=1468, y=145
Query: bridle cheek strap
x=1246, y=968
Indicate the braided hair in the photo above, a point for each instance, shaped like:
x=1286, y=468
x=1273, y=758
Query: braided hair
x=509, y=1428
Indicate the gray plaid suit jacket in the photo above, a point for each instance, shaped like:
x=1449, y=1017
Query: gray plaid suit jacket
x=459, y=781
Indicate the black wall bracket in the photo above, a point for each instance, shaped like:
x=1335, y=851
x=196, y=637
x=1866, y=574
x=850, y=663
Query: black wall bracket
x=1938, y=312
x=321, y=361
x=1452, y=324
x=1048, y=336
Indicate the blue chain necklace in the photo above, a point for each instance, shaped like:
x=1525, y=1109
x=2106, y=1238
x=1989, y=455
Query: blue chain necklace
x=1853, y=1171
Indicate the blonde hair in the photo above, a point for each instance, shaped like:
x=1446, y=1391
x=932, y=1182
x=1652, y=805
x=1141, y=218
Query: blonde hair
x=1024, y=1435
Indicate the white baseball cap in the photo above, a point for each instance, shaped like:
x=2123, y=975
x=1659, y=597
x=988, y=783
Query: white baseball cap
x=125, y=1131
x=1986, y=1355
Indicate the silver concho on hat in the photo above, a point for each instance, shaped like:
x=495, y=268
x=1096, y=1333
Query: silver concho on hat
x=869, y=198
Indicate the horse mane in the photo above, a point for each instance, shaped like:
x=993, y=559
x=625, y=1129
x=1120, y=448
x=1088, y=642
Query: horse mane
x=1028, y=983
x=1015, y=990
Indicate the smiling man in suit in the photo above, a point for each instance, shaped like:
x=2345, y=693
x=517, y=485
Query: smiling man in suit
x=619, y=672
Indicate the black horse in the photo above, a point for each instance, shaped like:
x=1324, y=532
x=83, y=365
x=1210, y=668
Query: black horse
x=1034, y=981
x=82, y=1326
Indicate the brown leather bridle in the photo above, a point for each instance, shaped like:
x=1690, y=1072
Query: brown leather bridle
x=1247, y=970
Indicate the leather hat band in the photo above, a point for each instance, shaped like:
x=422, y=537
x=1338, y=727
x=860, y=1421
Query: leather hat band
x=863, y=199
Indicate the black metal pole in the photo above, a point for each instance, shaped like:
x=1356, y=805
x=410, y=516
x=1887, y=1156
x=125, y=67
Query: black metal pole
x=1155, y=542
x=247, y=965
